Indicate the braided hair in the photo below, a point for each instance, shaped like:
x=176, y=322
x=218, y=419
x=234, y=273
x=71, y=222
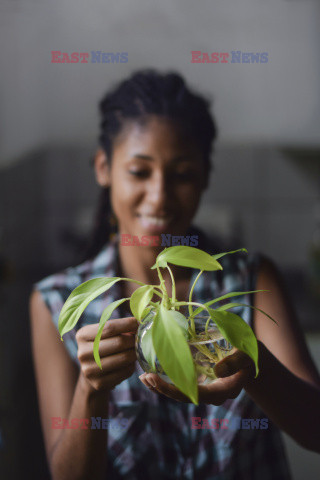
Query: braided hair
x=148, y=92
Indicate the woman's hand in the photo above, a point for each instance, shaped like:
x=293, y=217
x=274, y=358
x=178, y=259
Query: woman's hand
x=116, y=349
x=235, y=372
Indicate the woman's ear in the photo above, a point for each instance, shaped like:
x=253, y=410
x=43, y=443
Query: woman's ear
x=101, y=168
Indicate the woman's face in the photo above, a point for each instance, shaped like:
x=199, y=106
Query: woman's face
x=157, y=177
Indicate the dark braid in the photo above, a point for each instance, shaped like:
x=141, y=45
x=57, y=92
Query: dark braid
x=148, y=92
x=102, y=227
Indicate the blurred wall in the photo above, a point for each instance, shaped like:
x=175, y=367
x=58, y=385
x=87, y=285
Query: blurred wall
x=257, y=195
x=45, y=103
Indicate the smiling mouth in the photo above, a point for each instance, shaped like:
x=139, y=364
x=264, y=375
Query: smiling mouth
x=156, y=221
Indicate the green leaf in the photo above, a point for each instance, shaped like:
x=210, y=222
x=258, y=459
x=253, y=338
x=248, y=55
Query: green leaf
x=187, y=257
x=224, y=297
x=174, y=354
x=145, y=313
x=79, y=299
x=237, y=332
x=139, y=301
x=106, y=314
x=148, y=348
x=181, y=321
x=233, y=305
x=219, y=255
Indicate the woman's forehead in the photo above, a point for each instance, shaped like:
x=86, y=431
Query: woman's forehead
x=155, y=135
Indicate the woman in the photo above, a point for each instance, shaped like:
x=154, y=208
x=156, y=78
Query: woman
x=153, y=165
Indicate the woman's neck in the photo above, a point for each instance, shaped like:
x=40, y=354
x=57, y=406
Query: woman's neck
x=136, y=261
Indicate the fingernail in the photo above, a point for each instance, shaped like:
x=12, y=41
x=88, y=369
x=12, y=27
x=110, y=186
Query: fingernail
x=222, y=370
x=151, y=380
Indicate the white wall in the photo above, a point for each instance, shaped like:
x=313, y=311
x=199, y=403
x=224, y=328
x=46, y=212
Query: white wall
x=42, y=103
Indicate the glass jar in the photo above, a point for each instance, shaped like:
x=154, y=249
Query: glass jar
x=207, y=346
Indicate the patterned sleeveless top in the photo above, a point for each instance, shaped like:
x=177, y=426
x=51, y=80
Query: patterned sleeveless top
x=158, y=441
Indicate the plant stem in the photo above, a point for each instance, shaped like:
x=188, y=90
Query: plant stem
x=191, y=292
x=154, y=304
x=165, y=298
x=157, y=293
x=207, y=325
x=180, y=304
x=191, y=317
x=144, y=284
x=213, y=357
x=173, y=285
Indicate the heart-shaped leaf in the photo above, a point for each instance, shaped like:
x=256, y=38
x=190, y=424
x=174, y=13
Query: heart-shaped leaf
x=106, y=314
x=139, y=301
x=237, y=332
x=187, y=257
x=79, y=299
x=228, y=306
x=173, y=353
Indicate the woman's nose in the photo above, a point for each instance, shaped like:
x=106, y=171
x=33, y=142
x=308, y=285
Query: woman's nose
x=160, y=190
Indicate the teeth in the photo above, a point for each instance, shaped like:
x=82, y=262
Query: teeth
x=158, y=221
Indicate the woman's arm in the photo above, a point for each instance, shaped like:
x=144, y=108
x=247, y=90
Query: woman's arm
x=62, y=392
x=288, y=385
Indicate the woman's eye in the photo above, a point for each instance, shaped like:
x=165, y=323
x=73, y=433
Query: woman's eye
x=139, y=173
x=179, y=176
x=187, y=175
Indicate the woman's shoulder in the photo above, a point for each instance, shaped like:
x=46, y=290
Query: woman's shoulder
x=56, y=288
x=68, y=277
x=239, y=260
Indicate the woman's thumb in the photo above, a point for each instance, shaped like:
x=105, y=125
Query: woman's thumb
x=232, y=364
